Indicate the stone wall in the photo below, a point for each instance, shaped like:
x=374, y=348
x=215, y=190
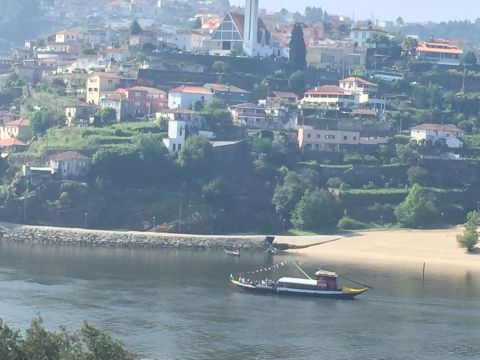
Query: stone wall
x=39, y=235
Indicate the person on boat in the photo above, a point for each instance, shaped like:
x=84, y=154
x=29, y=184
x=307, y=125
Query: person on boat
x=332, y=284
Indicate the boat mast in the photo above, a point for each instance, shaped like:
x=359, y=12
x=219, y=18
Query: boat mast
x=303, y=272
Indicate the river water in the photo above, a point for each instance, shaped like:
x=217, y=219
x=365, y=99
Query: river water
x=168, y=304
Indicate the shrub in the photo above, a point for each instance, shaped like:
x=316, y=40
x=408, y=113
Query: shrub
x=347, y=223
x=469, y=238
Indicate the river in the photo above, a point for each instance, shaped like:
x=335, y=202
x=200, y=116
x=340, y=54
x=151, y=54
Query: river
x=168, y=304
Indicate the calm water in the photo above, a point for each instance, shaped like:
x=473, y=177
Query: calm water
x=178, y=305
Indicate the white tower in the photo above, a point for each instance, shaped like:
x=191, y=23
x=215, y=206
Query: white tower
x=250, y=27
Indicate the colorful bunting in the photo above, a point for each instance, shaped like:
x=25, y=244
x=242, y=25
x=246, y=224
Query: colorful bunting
x=273, y=267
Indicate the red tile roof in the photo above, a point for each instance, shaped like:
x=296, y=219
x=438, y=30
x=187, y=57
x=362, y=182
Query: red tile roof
x=11, y=142
x=69, y=155
x=106, y=75
x=358, y=80
x=185, y=89
x=285, y=95
x=226, y=88
x=437, y=127
x=149, y=90
x=328, y=90
x=443, y=48
x=19, y=122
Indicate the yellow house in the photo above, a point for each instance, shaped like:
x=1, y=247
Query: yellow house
x=67, y=35
x=98, y=83
x=18, y=129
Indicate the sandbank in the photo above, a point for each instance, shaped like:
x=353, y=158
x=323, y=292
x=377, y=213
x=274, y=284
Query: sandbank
x=407, y=249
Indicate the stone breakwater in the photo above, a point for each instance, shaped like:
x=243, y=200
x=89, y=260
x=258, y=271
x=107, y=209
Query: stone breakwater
x=39, y=235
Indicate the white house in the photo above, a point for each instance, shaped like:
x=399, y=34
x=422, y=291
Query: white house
x=187, y=40
x=185, y=97
x=437, y=132
x=69, y=163
x=334, y=140
x=360, y=34
x=176, y=136
x=251, y=116
x=332, y=96
x=440, y=53
x=358, y=85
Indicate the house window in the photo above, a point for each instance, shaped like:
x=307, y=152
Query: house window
x=345, y=138
x=309, y=146
x=318, y=136
x=354, y=138
x=317, y=147
x=180, y=134
x=174, y=147
x=179, y=147
x=309, y=136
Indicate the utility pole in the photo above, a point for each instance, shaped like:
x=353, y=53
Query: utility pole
x=86, y=220
x=25, y=202
x=180, y=218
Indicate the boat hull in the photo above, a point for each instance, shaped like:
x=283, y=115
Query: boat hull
x=344, y=294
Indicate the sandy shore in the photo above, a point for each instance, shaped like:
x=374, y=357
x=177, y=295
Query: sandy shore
x=394, y=248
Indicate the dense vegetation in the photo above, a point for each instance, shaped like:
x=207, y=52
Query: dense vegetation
x=258, y=185
x=88, y=343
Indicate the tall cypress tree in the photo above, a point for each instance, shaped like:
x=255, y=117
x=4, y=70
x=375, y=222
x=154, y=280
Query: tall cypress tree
x=298, y=50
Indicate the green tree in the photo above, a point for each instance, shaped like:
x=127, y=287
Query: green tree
x=314, y=14
x=288, y=194
x=417, y=210
x=10, y=343
x=218, y=66
x=216, y=114
x=469, y=238
x=417, y=175
x=89, y=51
x=135, y=28
x=296, y=82
x=470, y=59
x=101, y=346
x=42, y=120
x=39, y=344
x=407, y=154
x=298, y=50
x=197, y=24
x=196, y=156
x=88, y=343
x=317, y=210
x=107, y=115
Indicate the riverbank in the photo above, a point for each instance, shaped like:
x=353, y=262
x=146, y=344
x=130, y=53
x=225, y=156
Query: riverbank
x=45, y=235
x=402, y=248
x=399, y=248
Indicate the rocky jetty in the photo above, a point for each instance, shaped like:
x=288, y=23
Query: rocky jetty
x=44, y=235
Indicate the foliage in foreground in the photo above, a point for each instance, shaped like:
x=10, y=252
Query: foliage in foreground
x=88, y=343
x=469, y=238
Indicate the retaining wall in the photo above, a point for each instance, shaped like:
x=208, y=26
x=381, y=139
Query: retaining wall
x=14, y=233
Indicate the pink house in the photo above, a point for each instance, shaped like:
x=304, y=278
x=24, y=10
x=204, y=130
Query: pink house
x=140, y=100
x=146, y=100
